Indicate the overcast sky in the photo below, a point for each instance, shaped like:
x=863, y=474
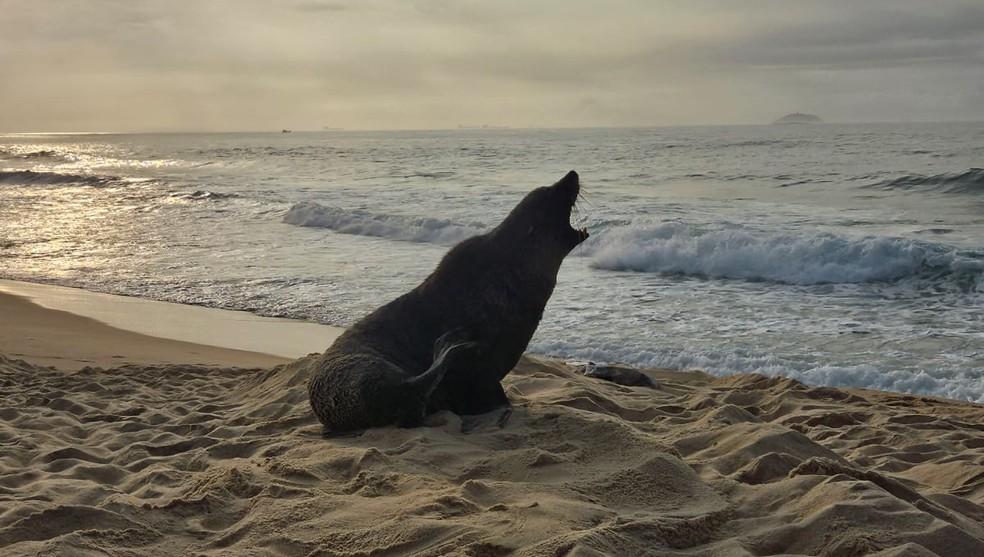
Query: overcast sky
x=170, y=65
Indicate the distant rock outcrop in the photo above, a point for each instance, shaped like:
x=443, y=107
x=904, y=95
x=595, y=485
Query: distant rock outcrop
x=799, y=118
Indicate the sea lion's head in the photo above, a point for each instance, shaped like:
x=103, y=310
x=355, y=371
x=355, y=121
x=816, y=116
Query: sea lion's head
x=542, y=220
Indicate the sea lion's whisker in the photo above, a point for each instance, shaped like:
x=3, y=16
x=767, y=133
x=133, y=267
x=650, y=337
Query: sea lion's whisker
x=578, y=214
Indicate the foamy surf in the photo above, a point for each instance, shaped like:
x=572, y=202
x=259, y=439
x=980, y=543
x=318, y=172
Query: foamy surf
x=811, y=372
x=803, y=258
x=395, y=227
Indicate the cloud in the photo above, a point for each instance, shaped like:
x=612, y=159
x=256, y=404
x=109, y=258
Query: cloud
x=252, y=64
x=871, y=36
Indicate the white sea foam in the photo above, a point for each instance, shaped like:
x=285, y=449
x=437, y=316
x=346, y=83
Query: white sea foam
x=960, y=387
x=802, y=258
x=364, y=223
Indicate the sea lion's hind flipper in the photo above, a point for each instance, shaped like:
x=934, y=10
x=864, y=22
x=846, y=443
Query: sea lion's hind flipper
x=421, y=387
x=443, y=342
x=426, y=382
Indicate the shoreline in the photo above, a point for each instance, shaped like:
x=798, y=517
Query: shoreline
x=71, y=328
x=203, y=334
x=218, y=328
x=70, y=342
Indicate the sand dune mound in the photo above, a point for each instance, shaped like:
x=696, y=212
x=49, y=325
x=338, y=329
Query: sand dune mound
x=186, y=460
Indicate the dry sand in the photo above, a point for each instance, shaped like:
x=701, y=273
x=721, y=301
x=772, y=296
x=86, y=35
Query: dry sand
x=185, y=459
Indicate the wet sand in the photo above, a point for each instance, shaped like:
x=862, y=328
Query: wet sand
x=70, y=342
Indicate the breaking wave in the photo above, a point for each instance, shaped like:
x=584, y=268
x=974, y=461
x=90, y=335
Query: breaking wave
x=203, y=195
x=803, y=259
x=364, y=223
x=31, y=177
x=42, y=154
x=969, y=181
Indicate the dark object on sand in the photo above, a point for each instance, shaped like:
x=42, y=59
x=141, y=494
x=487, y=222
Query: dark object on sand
x=447, y=344
x=620, y=374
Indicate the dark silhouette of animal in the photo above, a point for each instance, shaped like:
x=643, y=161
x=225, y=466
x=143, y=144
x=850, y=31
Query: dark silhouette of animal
x=448, y=343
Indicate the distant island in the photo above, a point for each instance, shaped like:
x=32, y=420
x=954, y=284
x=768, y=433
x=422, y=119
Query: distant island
x=799, y=118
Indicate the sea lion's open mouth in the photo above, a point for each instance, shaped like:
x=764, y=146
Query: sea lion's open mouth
x=573, y=184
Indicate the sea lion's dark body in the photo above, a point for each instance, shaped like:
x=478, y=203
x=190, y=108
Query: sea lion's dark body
x=489, y=291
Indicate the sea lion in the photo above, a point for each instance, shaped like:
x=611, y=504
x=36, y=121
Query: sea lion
x=447, y=344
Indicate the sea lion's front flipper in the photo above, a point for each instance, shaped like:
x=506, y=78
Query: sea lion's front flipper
x=486, y=403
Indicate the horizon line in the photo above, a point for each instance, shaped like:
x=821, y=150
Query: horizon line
x=491, y=128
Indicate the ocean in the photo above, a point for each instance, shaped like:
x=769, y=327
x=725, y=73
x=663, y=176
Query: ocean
x=841, y=255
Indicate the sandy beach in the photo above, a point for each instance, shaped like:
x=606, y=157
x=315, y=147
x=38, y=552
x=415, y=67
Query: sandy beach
x=133, y=444
x=638, y=279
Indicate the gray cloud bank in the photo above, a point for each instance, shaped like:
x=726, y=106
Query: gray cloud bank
x=134, y=65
